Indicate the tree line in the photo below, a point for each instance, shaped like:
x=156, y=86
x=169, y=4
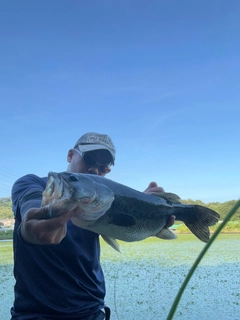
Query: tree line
x=221, y=207
x=6, y=208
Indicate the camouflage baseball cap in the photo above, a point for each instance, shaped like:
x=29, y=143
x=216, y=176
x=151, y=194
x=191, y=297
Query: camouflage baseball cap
x=95, y=141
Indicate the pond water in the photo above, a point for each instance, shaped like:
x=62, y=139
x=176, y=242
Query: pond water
x=143, y=281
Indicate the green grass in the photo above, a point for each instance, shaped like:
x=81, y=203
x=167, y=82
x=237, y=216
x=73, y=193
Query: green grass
x=231, y=226
x=182, y=251
x=165, y=250
x=6, y=252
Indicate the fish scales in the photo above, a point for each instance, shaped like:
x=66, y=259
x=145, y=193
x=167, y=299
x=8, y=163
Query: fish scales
x=116, y=211
x=130, y=219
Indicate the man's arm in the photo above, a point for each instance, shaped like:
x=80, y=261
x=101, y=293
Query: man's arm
x=37, y=228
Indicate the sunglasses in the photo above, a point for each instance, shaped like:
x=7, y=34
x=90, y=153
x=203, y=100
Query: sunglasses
x=92, y=163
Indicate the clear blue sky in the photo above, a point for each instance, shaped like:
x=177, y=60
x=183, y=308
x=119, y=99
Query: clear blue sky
x=162, y=78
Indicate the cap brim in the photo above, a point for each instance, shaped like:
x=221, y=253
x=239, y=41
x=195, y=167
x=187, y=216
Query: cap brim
x=92, y=147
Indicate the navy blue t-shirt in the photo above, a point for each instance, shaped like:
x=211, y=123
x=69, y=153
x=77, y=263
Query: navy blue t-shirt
x=61, y=280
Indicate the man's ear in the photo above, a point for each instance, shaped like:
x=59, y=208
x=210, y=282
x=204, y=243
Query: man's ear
x=70, y=155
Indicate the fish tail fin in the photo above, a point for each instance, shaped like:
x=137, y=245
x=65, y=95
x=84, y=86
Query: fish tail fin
x=202, y=218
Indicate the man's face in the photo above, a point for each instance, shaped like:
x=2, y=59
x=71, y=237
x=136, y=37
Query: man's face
x=102, y=158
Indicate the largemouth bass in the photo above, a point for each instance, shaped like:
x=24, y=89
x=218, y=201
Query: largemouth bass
x=116, y=211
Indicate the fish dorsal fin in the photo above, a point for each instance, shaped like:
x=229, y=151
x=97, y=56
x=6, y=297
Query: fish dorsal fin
x=166, y=234
x=112, y=242
x=168, y=196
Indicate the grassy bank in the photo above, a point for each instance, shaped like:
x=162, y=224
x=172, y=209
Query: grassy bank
x=231, y=227
x=151, y=249
x=6, y=253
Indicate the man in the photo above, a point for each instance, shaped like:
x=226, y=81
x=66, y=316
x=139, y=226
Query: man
x=56, y=264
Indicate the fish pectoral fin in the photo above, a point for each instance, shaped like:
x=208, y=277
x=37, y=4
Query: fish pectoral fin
x=166, y=234
x=168, y=196
x=112, y=242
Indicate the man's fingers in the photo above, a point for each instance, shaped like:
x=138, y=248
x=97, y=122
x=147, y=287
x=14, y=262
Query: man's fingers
x=43, y=213
x=155, y=190
x=151, y=185
x=59, y=221
x=39, y=228
x=170, y=221
x=37, y=213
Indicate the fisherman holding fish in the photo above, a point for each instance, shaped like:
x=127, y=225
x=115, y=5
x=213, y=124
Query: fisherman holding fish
x=56, y=263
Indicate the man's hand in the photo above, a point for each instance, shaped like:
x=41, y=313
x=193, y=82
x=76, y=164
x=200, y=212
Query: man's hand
x=37, y=228
x=154, y=188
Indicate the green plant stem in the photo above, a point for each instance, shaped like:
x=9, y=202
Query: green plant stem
x=199, y=258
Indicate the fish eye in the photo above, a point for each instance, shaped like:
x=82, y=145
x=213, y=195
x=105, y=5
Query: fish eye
x=73, y=178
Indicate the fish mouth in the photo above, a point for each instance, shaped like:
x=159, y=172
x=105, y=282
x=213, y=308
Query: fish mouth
x=56, y=188
x=49, y=192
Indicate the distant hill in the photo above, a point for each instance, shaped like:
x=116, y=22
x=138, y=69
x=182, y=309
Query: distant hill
x=222, y=208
